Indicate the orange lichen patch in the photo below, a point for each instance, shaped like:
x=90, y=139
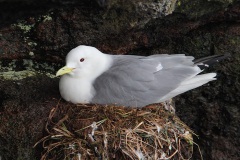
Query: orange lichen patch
x=108, y=132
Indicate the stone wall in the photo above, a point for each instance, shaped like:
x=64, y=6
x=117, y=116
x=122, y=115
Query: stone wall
x=35, y=37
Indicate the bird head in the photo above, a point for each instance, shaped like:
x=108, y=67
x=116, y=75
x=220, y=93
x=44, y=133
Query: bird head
x=84, y=61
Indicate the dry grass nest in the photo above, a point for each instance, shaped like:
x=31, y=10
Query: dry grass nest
x=111, y=132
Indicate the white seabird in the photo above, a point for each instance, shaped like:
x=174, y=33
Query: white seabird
x=91, y=76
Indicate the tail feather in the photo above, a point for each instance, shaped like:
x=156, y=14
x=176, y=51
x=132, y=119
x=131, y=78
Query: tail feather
x=189, y=84
x=202, y=77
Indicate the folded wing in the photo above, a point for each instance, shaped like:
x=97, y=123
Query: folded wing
x=138, y=81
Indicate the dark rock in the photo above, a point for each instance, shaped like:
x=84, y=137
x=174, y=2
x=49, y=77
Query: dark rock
x=40, y=37
x=25, y=105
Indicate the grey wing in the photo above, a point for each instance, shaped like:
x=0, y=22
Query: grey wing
x=138, y=81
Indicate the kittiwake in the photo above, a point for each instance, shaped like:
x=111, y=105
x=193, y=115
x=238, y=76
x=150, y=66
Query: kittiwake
x=91, y=76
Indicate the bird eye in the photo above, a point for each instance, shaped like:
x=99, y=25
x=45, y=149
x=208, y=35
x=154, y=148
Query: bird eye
x=82, y=59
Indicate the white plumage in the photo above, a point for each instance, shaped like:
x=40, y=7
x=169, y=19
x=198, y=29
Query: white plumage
x=91, y=76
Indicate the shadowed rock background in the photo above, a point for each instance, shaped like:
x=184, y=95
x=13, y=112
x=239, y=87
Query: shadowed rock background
x=35, y=36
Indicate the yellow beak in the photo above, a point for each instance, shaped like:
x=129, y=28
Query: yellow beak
x=64, y=70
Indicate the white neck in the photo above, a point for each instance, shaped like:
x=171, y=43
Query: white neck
x=102, y=64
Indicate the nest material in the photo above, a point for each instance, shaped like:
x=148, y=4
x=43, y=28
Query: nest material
x=112, y=132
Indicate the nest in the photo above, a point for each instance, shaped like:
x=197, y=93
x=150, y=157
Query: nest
x=112, y=132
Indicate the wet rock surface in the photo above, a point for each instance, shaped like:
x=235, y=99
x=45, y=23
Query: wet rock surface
x=36, y=41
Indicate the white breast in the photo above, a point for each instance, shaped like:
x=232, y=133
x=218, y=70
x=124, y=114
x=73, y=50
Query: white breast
x=76, y=90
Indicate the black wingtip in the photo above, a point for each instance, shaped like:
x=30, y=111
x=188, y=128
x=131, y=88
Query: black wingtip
x=210, y=60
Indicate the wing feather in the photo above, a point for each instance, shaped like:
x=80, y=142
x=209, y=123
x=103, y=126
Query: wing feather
x=135, y=80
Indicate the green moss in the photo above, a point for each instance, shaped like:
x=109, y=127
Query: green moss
x=31, y=54
x=32, y=43
x=11, y=66
x=16, y=75
x=50, y=75
x=46, y=18
x=24, y=27
x=28, y=68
